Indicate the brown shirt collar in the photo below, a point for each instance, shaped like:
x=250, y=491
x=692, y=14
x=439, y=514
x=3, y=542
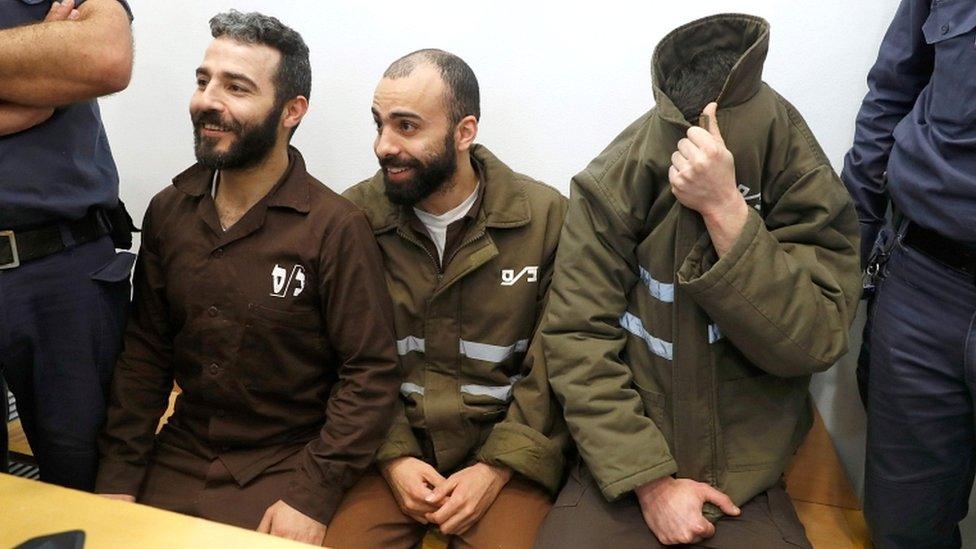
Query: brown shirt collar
x=291, y=191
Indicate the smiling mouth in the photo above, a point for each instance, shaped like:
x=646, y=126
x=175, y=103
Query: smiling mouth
x=213, y=128
x=397, y=170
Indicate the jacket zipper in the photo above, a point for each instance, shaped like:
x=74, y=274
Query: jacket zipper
x=477, y=236
x=433, y=260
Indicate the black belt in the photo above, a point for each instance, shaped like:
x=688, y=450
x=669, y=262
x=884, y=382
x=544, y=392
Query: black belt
x=17, y=247
x=948, y=252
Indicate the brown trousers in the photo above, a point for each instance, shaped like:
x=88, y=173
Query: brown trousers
x=179, y=481
x=369, y=517
x=582, y=517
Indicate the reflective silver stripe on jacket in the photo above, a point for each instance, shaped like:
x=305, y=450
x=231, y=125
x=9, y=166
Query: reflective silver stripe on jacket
x=657, y=346
x=714, y=333
x=659, y=290
x=498, y=392
x=492, y=353
x=410, y=344
x=502, y=393
x=408, y=389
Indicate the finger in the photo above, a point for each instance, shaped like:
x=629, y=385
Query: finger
x=265, y=526
x=705, y=528
x=710, y=111
x=680, y=161
x=448, y=510
x=672, y=174
x=74, y=15
x=442, y=491
x=454, y=524
x=722, y=501
x=52, y=14
x=688, y=150
x=431, y=476
x=704, y=141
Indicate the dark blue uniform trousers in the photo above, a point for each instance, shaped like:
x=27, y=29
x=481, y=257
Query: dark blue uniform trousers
x=921, y=442
x=61, y=321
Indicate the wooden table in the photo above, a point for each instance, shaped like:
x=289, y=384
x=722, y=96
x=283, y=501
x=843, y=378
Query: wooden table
x=29, y=508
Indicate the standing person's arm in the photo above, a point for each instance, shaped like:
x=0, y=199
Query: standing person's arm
x=16, y=118
x=902, y=70
x=359, y=319
x=55, y=63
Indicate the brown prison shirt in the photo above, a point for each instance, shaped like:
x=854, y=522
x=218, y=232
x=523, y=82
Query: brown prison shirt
x=279, y=331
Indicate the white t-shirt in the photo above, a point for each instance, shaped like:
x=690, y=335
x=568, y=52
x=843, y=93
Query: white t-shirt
x=437, y=224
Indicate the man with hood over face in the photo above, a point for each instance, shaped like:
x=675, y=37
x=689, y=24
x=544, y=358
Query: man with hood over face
x=703, y=274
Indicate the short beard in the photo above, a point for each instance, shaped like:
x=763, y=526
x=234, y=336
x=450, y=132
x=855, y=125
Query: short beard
x=428, y=177
x=252, y=146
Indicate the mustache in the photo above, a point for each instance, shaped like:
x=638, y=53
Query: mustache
x=214, y=118
x=392, y=161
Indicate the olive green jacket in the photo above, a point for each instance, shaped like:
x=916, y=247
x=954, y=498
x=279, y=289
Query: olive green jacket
x=667, y=359
x=474, y=381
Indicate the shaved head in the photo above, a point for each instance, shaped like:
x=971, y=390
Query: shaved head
x=461, y=95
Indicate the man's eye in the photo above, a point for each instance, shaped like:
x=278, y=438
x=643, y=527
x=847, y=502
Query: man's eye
x=237, y=89
x=407, y=126
x=201, y=83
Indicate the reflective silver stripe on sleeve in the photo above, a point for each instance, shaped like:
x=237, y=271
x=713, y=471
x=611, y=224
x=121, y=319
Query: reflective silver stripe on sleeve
x=408, y=389
x=659, y=290
x=502, y=393
x=657, y=346
x=492, y=353
x=714, y=333
x=410, y=344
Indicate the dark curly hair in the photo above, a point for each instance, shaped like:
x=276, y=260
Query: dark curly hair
x=294, y=76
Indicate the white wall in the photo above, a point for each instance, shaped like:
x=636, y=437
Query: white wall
x=558, y=81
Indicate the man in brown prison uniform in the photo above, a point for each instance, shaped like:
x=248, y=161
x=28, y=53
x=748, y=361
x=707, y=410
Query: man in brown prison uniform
x=468, y=246
x=260, y=292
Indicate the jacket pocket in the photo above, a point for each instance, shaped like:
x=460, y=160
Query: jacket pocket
x=951, y=18
x=266, y=316
x=284, y=351
x=655, y=407
x=114, y=288
x=759, y=417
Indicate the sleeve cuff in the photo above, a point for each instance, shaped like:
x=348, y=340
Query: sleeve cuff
x=399, y=443
x=525, y=451
x=700, y=270
x=315, y=500
x=618, y=488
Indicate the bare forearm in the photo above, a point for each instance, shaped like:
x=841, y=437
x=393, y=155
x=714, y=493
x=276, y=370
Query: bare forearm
x=725, y=226
x=60, y=62
x=17, y=118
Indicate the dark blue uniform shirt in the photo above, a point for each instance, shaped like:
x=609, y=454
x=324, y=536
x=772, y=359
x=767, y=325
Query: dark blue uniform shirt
x=915, y=141
x=56, y=170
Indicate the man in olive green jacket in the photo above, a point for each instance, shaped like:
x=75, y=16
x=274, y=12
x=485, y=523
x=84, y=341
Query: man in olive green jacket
x=704, y=273
x=468, y=246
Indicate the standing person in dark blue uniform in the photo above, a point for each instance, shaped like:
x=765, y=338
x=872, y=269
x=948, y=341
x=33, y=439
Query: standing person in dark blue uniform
x=914, y=150
x=63, y=288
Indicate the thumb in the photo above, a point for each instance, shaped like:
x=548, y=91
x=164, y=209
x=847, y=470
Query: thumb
x=265, y=526
x=709, y=113
x=722, y=501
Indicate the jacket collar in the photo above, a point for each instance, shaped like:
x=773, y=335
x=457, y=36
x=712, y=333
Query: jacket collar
x=746, y=34
x=504, y=203
x=291, y=191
